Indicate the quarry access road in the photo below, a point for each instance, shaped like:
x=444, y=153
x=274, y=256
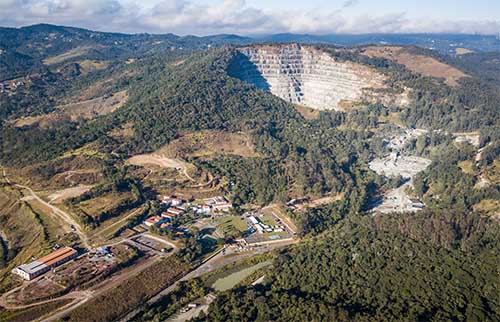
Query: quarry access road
x=61, y=214
x=64, y=216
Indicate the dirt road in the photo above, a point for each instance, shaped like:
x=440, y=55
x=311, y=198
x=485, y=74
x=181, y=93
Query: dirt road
x=76, y=295
x=61, y=214
x=64, y=216
x=133, y=213
x=161, y=161
x=101, y=288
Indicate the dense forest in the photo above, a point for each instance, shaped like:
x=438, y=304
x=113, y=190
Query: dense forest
x=425, y=267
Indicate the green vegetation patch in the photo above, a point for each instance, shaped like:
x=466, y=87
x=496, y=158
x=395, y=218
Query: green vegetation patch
x=230, y=224
x=230, y=281
x=420, y=266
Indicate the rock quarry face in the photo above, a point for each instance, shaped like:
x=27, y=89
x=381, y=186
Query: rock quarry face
x=306, y=76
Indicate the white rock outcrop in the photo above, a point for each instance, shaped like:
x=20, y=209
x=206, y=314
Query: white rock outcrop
x=304, y=75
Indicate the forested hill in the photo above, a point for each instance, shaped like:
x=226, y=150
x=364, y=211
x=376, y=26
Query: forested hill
x=31, y=49
x=197, y=94
x=169, y=93
x=85, y=102
x=424, y=267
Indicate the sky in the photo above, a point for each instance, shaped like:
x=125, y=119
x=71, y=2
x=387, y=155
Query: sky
x=253, y=17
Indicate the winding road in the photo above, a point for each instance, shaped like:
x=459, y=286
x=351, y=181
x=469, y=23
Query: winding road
x=64, y=216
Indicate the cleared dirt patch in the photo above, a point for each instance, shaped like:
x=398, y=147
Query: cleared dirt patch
x=61, y=195
x=77, y=177
x=324, y=200
x=42, y=121
x=208, y=143
x=463, y=51
x=88, y=109
x=307, y=112
x=467, y=167
x=468, y=137
x=490, y=207
x=87, y=66
x=157, y=160
x=407, y=167
x=95, y=107
x=424, y=65
x=75, y=52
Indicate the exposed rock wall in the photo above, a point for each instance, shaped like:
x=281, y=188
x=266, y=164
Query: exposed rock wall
x=306, y=76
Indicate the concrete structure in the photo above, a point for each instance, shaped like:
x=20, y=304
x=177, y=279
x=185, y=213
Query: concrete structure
x=215, y=200
x=36, y=268
x=218, y=203
x=172, y=213
x=415, y=203
x=176, y=211
x=171, y=201
x=253, y=220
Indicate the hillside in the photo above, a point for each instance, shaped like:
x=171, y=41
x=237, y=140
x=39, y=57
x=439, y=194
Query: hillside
x=383, y=159
x=378, y=269
x=32, y=48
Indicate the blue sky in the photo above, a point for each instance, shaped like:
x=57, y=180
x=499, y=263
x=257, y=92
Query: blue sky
x=447, y=9
x=202, y=17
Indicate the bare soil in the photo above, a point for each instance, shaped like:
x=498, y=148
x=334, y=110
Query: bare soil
x=61, y=195
x=87, y=109
x=209, y=143
x=424, y=65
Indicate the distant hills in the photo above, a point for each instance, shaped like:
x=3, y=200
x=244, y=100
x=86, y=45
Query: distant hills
x=25, y=48
x=444, y=43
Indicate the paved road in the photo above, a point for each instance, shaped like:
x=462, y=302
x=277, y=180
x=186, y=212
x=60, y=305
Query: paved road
x=209, y=265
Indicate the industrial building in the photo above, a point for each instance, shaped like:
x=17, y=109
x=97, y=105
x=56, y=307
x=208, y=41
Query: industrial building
x=36, y=268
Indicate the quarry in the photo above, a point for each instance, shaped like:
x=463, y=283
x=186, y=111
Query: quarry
x=305, y=75
x=395, y=164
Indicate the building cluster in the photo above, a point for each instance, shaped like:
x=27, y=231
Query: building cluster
x=218, y=203
x=10, y=86
x=255, y=225
x=174, y=210
x=46, y=263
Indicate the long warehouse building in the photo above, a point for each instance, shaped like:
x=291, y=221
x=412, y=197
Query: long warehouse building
x=36, y=268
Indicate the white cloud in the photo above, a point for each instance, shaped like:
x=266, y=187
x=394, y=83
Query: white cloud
x=227, y=16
